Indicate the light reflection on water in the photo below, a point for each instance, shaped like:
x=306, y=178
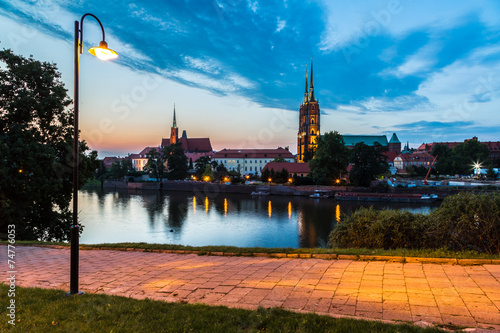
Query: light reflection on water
x=219, y=219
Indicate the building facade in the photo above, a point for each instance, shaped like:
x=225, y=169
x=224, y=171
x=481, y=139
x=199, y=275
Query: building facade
x=309, y=123
x=418, y=158
x=493, y=146
x=250, y=161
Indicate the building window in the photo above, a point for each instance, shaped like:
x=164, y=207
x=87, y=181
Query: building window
x=312, y=121
x=246, y=169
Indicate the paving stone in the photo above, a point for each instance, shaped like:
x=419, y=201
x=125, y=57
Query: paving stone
x=421, y=292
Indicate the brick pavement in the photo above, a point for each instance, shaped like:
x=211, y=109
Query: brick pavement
x=434, y=293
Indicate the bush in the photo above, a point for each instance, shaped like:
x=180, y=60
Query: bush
x=384, y=229
x=464, y=222
x=468, y=221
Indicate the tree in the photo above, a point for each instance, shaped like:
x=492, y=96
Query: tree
x=265, y=175
x=491, y=174
x=191, y=166
x=468, y=153
x=220, y=171
x=120, y=169
x=279, y=159
x=444, y=161
x=155, y=164
x=36, y=145
x=177, y=161
x=201, y=164
x=368, y=163
x=331, y=157
x=208, y=174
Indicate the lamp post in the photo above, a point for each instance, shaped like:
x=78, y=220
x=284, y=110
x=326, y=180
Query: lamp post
x=103, y=53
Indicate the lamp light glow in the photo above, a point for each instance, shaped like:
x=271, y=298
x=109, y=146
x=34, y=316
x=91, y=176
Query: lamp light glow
x=103, y=52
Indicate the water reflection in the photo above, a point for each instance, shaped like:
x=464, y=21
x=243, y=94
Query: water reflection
x=239, y=220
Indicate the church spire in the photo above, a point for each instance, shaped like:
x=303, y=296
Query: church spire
x=306, y=94
x=311, y=95
x=175, y=122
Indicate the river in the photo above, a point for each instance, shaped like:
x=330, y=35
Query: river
x=115, y=216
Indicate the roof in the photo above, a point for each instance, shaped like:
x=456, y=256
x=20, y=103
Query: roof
x=390, y=156
x=492, y=145
x=418, y=155
x=291, y=167
x=394, y=139
x=191, y=144
x=143, y=153
x=253, y=153
x=369, y=140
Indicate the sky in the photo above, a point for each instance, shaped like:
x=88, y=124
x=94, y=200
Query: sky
x=235, y=69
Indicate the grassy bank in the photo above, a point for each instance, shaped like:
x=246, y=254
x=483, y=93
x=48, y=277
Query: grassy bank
x=45, y=310
x=203, y=250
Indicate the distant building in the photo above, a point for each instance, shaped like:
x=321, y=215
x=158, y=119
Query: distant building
x=250, y=161
x=140, y=160
x=418, y=158
x=493, y=146
x=109, y=161
x=308, y=134
x=301, y=169
x=193, y=147
x=393, y=146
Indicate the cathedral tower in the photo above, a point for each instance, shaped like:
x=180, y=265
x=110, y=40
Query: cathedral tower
x=308, y=134
x=174, y=131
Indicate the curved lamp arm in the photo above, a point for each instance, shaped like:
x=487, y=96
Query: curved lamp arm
x=81, y=30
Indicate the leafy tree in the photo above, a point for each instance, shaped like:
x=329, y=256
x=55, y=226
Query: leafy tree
x=331, y=157
x=36, y=145
x=468, y=153
x=266, y=174
x=177, y=161
x=279, y=159
x=155, y=164
x=201, y=164
x=444, y=161
x=208, y=174
x=368, y=162
x=220, y=172
x=191, y=166
x=120, y=169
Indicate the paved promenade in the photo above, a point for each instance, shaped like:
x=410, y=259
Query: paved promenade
x=442, y=294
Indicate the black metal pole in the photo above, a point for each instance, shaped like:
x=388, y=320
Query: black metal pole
x=75, y=229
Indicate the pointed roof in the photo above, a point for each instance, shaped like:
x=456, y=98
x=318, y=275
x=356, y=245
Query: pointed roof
x=306, y=94
x=311, y=96
x=175, y=122
x=394, y=139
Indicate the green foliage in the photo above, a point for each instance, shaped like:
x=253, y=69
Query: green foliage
x=468, y=221
x=208, y=174
x=383, y=229
x=491, y=174
x=265, y=175
x=461, y=158
x=463, y=222
x=331, y=157
x=201, y=164
x=177, y=162
x=220, y=171
x=413, y=170
x=36, y=145
x=279, y=159
x=155, y=164
x=120, y=169
x=368, y=163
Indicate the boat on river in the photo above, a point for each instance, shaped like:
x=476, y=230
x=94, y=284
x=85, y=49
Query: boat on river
x=318, y=194
x=260, y=193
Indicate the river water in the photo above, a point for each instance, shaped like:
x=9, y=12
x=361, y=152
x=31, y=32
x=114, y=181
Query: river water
x=224, y=219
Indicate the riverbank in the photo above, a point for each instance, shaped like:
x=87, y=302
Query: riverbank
x=205, y=188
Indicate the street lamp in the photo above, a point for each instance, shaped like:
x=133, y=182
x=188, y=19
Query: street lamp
x=104, y=53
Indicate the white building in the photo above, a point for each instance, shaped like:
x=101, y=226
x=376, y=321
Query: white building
x=250, y=161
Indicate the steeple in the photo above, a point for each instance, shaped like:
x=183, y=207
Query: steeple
x=306, y=94
x=175, y=123
x=311, y=94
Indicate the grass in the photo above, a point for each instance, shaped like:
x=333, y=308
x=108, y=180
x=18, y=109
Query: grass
x=48, y=310
x=202, y=250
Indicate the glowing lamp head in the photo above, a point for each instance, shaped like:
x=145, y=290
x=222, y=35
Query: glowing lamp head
x=103, y=52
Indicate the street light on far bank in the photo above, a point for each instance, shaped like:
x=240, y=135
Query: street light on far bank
x=104, y=53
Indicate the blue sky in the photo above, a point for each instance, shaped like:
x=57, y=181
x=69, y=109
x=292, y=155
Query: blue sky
x=427, y=70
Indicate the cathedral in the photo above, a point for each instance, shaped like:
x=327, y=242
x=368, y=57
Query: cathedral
x=308, y=123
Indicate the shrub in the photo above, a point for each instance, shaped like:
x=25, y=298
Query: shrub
x=468, y=221
x=387, y=229
x=463, y=222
